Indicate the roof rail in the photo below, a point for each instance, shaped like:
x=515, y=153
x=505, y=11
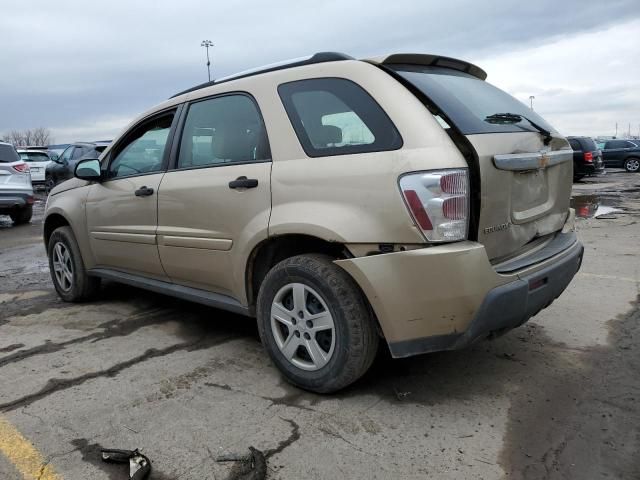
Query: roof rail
x=319, y=57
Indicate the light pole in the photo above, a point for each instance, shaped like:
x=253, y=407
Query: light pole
x=206, y=44
x=531, y=97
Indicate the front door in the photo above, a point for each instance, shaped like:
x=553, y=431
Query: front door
x=122, y=210
x=214, y=206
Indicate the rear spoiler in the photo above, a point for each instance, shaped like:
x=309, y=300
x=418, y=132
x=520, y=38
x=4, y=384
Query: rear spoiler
x=430, y=60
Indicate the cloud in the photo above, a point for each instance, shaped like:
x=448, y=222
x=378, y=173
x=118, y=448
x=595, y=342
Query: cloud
x=68, y=64
x=582, y=84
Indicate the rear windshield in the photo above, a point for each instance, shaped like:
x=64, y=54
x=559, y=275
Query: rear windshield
x=468, y=101
x=8, y=153
x=34, y=157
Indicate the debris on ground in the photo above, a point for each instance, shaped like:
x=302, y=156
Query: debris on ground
x=250, y=466
x=400, y=395
x=139, y=464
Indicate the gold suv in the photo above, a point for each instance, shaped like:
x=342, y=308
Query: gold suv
x=338, y=201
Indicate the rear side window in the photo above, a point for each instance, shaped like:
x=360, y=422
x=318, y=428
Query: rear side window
x=334, y=116
x=468, y=101
x=575, y=144
x=588, y=144
x=8, y=153
x=223, y=130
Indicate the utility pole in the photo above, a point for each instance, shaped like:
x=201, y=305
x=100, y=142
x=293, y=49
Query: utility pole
x=206, y=44
x=531, y=97
x=616, y=135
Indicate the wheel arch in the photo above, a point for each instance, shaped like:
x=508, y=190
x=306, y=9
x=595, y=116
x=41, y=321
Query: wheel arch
x=274, y=249
x=53, y=221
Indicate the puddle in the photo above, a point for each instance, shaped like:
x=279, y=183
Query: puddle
x=590, y=206
x=586, y=205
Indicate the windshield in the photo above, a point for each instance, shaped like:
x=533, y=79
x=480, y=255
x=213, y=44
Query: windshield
x=8, y=153
x=470, y=102
x=34, y=157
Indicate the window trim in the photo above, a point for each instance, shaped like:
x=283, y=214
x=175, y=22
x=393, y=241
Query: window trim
x=177, y=109
x=307, y=145
x=175, y=150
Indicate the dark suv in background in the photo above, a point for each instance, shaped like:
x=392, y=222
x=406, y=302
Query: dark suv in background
x=587, y=157
x=63, y=167
x=622, y=154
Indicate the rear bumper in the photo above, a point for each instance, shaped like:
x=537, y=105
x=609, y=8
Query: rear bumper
x=589, y=168
x=447, y=297
x=14, y=200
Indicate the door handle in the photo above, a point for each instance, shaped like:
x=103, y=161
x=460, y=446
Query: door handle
x=144, y=191
x=243, y=182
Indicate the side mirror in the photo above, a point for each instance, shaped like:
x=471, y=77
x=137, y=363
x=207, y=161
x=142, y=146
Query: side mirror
x=54, y=157
x=88, y=170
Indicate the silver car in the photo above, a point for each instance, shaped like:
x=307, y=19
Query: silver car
x=16, y=192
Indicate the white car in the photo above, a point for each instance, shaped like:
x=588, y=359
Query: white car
x=37, y=161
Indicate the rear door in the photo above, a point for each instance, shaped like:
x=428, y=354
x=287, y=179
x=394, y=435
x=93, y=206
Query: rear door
x=524, y=182
x=613, y=152
x=214, y=206
x=122, y=210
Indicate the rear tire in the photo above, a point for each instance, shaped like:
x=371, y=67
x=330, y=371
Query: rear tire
x=49, y=184
x=67, y=268
x=632, y=165
x=329, y=297
x=22, y=216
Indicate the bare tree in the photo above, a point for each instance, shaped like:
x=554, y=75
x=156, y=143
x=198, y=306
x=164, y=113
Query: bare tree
x=22, y=138
x=41, y=136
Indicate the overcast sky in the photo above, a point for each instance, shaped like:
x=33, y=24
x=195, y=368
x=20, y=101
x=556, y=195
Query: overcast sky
x=85, y=69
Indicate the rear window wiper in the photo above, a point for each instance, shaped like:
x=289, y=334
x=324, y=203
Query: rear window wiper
x=506, y=118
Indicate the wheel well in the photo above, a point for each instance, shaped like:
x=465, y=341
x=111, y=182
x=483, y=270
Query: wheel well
x=52, y=222
x=272, y=251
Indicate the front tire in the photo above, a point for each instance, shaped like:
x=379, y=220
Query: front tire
x=67, y=268
x=316, y=324
x=22, y=216
x=632, y=165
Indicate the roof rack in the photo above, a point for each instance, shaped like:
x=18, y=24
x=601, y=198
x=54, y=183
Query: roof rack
x=320, y=57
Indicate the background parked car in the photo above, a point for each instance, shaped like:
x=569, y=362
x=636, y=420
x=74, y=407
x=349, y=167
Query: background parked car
x=38, y=161
x=55, y=151
x=587, y=157
x=622, y=154
x=62, y=168
x=16, y=192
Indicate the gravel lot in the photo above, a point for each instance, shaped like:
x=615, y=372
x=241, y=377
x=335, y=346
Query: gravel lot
x=556, y=398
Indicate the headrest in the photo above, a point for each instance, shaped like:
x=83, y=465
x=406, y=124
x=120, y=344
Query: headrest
x=328, y=134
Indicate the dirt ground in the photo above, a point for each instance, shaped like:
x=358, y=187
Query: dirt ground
x=557, y=398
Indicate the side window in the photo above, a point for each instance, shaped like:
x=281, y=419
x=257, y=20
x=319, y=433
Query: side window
x=142, y=150
x=334, y=116
x=221, y=130
x=630, y=145
x=66, y=155
x=615, y=144
x=575, y=144
x=79, y=152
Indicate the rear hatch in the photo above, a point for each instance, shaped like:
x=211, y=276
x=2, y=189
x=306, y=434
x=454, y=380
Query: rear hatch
x=10, y=177
x=523, y=170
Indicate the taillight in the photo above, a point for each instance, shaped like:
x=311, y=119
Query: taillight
x=21, y=167
x=438, y=201
x=588, y=157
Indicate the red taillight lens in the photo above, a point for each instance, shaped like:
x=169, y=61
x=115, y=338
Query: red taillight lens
x=588, y=157
x=438, y=201
x=418, y=211
x=455, y=208
x=21, y=167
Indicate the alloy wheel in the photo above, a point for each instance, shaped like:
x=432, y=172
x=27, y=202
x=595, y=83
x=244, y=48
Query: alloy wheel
x=633, y=165
x=62, y=266
x=302, y=326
